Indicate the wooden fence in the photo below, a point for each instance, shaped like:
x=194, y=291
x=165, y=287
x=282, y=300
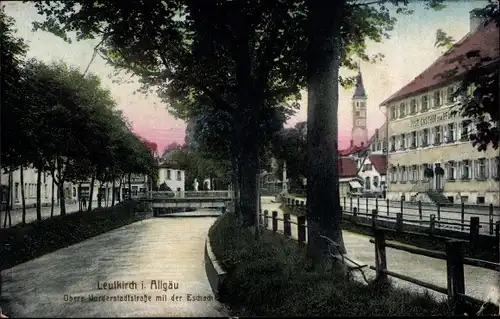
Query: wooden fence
x=435, y=216
x=453, y=255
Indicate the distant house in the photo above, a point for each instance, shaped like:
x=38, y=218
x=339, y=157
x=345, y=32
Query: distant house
x=349, y=181
x=173, y=175
x=374, y=173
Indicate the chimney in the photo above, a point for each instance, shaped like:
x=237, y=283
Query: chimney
x=475, y=19
x=352, y=143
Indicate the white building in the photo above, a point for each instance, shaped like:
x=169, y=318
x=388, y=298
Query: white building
x=430, y=155
x=30, y=178
x=373, y=173
x=173, y=175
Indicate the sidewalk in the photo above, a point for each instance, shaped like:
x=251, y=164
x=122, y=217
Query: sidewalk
x=477, y=280
x=31, y=213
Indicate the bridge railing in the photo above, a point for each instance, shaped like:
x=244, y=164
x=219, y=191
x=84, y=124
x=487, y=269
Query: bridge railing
x=189, y=194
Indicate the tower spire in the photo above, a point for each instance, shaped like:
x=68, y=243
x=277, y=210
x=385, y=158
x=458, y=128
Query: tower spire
x=359, y=92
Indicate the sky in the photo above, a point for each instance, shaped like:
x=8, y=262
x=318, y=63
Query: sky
x=408, y=52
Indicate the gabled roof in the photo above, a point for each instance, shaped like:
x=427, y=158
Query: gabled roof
x=379, y=161
x=347, y=167
x=484, y=38
x=171, y=165
x=360, y=91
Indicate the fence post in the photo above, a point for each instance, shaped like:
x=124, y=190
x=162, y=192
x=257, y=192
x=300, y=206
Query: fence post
x=491, y=218
x=420, y=209
x=462, y=213
x=355, y=211
x=275, y=220
x=438, y=211
x=374, y=219
x=301, y=229
x=380, y=255
x=286, y=225
x=432, y=224
x=399, y=222
x=401, y=204
x=376, y=205
x=350, y=200
x=266, y=213
x=474, y=229
x=357, y=202
x=455, y=273
x=345, y=206
x=387, y=202
x=366, y=205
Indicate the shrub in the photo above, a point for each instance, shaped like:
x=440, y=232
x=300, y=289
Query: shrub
x=271, y=276
x=20, y=243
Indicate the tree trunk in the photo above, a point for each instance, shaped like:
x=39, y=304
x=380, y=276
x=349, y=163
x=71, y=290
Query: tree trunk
x=235, y=178
x=23, y=199
x=62, y=200
x=248, y=199
x=129, y=186
x=60, y=188
x=8, y=207
x=39, y=195
x=91, y=195
x=52, y=199
x=323, y=200
x=120, y=189
x=113, y=194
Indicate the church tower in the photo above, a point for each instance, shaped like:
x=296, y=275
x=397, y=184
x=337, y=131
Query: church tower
x=359, y=132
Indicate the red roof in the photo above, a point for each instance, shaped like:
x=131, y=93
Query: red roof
x=347, y=167
x=379, y=161
x=171, y=165
x=485, y=39
x=351, y=150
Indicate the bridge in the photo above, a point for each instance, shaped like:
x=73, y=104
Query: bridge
x=167, y=201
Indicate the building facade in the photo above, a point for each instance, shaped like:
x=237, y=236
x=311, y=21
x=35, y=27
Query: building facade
x=30, y=179
x=430, y=155
x=173, y=175
x=373, y=174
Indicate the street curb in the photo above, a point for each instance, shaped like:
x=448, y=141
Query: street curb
x=213, y=269
x=187, y=216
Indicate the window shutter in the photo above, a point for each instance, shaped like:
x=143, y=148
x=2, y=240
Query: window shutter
x=459, y=170
x=493, y=167
x=476, y=168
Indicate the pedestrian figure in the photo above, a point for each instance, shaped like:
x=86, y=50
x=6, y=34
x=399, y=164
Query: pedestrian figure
x=84, y=200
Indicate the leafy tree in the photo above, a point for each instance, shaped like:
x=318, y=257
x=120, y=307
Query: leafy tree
x=443, y=40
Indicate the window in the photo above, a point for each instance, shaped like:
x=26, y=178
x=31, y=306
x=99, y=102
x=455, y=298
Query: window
x=451, y=170
x=394, y=178
x=422, y=169
x=402, y=110
x=357, y=113
x=425, y=103
x=74, y=191
x=465, y=131
x=404, y=177
x=413, y=106
x=466, y=173
x=393, y=143
x=450, y=138
x=438, y=98
x=44, y=177
x=178, y=189
x=374, y=146
x=379, y=146
x=367, y=182
x=495, y=167
x=481, y=169
x=47, y=193
x=16, y=192
x=179, y=175
x=415, y=173
x=169, y=174
x=413, y=139
x=437, y=135
x=375, y=181
x=480, y=200
x=394, y=113
x=402, y=142
x=367, y=167
x=425, y=137
x=464, y=199
x=449, y=95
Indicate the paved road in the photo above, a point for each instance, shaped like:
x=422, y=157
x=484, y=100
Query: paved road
x=477, y=280
x=162, y=249
x=31, y=213
x=410, y=213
